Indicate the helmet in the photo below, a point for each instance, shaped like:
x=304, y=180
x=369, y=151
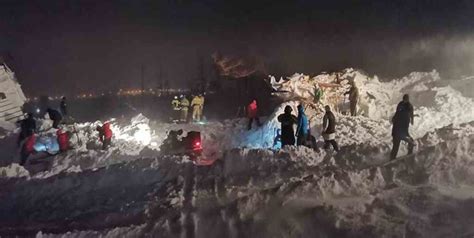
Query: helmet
x=182, y=96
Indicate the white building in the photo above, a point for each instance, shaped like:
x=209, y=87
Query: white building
x=11, y=95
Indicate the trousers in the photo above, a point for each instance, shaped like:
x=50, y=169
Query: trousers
x=396, y=145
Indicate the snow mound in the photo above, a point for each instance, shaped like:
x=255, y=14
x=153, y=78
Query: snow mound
x=254, y=190
x=435, y=107
x=265, y=193
x=13, y=171
x=6, y=128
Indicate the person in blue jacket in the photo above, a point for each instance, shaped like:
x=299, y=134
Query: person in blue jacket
x=303, y=126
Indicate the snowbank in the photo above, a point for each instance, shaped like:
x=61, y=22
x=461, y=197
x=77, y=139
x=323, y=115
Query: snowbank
x=6, y=128
x=13, y=171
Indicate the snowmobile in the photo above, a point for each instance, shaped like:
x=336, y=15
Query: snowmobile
x=189, y=145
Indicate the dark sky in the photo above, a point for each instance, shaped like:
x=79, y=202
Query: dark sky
x=64, y=46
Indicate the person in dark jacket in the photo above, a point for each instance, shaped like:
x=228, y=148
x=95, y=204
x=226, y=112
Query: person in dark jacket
x=173, y=141
x=287, y=121
x=401, y=122
x=329, y=129
x=303, y=127
x=27, y=127
x=63, y=106
x=353, y=98
x=55, y=116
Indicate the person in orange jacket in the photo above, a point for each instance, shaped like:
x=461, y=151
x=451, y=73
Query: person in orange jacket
x=252, y=114
x=27, y=148
x=105, y=135
x=63, y=140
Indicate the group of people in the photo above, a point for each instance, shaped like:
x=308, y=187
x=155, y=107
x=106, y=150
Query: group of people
x=181, y=105
x=303, y=136
x=403, y=117
x=28, y=132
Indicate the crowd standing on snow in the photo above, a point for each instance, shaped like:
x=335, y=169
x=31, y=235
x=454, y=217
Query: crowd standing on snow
x=401, y=121
x=287, y=134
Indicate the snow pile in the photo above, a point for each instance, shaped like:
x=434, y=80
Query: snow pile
x=132, y=190
x=265, y=193
x=375, y=101
x=13, y=171
x=6, y=128
x=435, y=107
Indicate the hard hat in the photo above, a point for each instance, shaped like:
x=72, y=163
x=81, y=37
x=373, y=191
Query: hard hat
x=182, y=96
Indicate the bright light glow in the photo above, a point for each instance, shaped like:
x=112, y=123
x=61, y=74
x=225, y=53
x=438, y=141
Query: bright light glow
x=38, y=110
x=198, y=143
x=143, y=134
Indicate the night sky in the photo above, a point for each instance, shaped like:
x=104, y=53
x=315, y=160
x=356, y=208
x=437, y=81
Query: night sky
x=67, y=47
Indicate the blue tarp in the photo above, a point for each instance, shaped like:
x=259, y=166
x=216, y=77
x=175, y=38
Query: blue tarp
x=47, y=144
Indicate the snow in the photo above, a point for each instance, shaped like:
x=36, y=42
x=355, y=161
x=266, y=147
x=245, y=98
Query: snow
x=254, y=190
x=13, y=170
x=6, y=128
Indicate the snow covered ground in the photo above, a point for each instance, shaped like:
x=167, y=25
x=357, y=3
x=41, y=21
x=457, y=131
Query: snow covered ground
x=254, y=190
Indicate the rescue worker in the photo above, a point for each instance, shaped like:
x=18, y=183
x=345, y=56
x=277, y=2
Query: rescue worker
x=329, y=129
x=353, y=97
x=401, y=122
x=55, y=116
x=63, y=140
x=172, y=141
x=287, y=121
x=176, y=108
x=27, y=127
x=252, y=114
x=184, y=104
x=318, y=93
x=303, y=127
x=105, y=135
x=197, y=104
x=63, y=106
x=27, y=148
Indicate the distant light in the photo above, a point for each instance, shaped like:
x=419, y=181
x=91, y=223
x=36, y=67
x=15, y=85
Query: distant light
x=38, y=110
